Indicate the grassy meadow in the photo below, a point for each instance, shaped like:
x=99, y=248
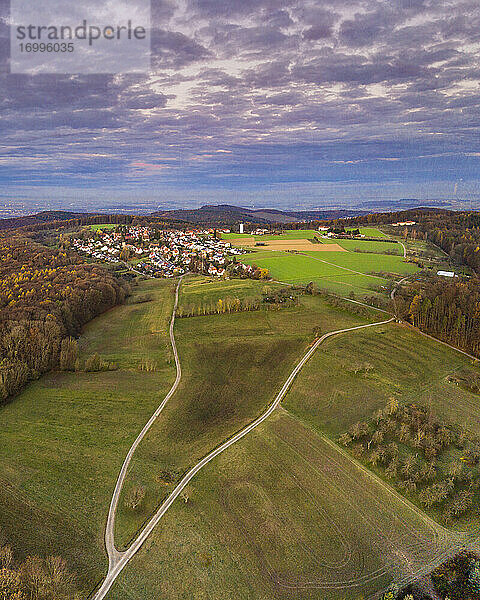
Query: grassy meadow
x=282, y=514
x=203, y=290
x=339, y=272
x=103, y=226
x=366, y=268
x=354, y=374
x=66, y=435
x=233, y=366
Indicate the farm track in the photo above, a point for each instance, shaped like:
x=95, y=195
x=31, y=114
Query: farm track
x=119, y=560
x=113, y=554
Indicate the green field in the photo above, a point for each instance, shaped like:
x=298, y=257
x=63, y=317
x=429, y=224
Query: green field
x=402, y=363
x=299, y=517
x=202, y=290
x=366, y=246
x=294, y=234
x=286, y=515
x=369, y=231
x=338, y=272
x=233, y=365
x=103, y=226
x=66, y=435
x=341, y=272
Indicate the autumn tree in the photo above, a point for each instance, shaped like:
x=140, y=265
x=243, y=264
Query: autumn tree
x=134, y=497
x=68, y=354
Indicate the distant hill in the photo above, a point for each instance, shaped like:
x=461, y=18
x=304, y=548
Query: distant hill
x=226, y=214
x=223, y=215
x=41, y=217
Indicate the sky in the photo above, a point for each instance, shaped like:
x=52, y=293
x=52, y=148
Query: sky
x=285, y=103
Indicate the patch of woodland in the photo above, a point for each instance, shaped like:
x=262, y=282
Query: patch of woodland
x=35, y=578
x=437, y=464
x=46, y=296
x=458, y=578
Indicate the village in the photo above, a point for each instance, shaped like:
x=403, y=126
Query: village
x=163, y=253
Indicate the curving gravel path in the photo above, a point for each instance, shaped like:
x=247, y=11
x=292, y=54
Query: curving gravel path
x=114, y=555
x=119, y=560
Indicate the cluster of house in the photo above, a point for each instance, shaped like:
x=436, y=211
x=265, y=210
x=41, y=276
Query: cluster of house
x=329, y=232
x=162, y=253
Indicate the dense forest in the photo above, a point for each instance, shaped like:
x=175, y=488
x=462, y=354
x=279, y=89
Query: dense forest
x=448, y=310
x=46, y=295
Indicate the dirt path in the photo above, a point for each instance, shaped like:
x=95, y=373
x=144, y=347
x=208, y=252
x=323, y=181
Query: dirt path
x=113, y=554
x=119, y=560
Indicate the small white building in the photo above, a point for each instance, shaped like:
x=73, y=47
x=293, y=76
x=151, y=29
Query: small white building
x=446, y=274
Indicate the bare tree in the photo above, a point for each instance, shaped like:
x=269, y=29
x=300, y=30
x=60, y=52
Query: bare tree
x=6, y=557
x=187, y=493
x=134, y=497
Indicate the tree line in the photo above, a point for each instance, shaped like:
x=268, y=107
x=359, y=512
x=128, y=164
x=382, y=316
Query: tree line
x=46, y=295
x=447, y=310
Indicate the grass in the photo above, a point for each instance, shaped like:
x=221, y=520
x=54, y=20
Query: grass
x=403, y=364
x=330, y=271
x=199, y=290
x=64, y=437
x=297, y=234
x=340, y=272
x=368, y=246
x=103, y=226
x=400, y=363
x=370, y=232
x=282, y=514
x=233, y=365
x=232, y=236
x=285, y=513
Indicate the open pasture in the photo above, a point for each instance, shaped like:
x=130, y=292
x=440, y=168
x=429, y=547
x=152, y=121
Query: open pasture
x=293, y=234
x=198, y=290
x=233, y=365
x=283, y=514
x=64, y=437
x=103, y=226
x=368, y=246
x=341, y=272
x=369, y=231
x=354, y=374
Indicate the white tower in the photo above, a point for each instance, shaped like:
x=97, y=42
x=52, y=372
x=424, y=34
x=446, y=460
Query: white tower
x=241, y=227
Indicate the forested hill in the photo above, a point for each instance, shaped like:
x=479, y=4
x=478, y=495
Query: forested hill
x=42, y=217
x=46, y=295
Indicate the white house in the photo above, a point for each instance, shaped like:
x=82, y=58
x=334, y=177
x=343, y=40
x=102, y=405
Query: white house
x=446, y=274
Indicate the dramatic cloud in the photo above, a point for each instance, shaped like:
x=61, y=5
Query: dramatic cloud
x=246, y=95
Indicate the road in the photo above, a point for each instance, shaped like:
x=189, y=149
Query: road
x=119, y=560
x=114, y=555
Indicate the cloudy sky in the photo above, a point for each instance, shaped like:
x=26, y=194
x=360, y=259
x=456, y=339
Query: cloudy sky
x=285, y=102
